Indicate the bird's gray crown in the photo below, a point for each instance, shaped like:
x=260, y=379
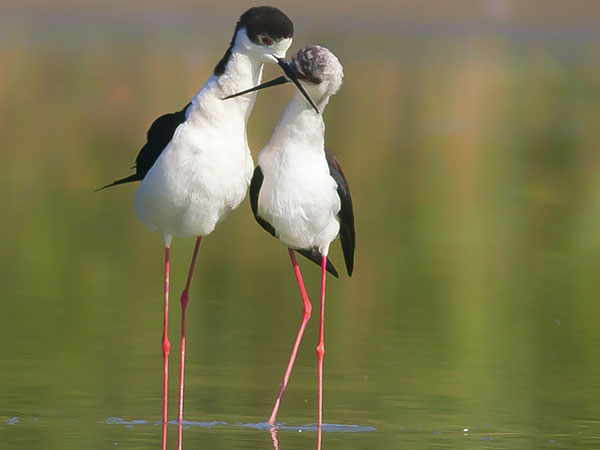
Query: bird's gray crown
x=315, y=64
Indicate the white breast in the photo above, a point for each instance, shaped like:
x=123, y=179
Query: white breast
x=204, y=172
x=298, y=197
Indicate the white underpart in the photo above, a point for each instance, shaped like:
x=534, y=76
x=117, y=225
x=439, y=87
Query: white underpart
x=298, y=195
x=204, y=172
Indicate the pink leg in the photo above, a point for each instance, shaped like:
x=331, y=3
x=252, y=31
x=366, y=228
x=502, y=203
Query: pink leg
x=184, y=302
x=321, y=350
x=305, y=317
x=166, y=346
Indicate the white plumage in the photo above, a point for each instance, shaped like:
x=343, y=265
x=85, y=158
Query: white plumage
x=298, y=195
x=204, y=172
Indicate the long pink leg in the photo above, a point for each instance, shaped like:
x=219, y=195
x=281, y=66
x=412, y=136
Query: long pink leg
x=166, y=346
x=305, y=317
x=321, y=350
x=184, y=302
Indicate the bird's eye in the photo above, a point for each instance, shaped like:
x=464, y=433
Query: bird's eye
x=266, y=40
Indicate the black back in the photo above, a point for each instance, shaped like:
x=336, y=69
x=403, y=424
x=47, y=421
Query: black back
x=312, y=253
x=259, y=21
x=158, y=137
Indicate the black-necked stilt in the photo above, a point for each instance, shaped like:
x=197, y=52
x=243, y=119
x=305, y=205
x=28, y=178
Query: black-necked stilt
x=299, y=193
x=196, y=166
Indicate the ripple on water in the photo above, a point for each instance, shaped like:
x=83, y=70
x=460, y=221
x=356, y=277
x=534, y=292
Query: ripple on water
x=185, y=423
x=327, y=427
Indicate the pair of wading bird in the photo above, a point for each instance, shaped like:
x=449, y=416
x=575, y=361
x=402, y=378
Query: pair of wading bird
x=196, y=168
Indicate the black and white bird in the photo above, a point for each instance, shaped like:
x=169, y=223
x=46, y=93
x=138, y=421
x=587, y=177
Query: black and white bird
x=195, y=167
x=299, y=193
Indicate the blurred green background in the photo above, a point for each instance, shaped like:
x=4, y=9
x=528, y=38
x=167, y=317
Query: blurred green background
x=470, y=133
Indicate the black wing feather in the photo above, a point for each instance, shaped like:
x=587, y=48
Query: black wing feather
x=313, y=254
x=346, y=214
x=255, y=184
x=158, y=137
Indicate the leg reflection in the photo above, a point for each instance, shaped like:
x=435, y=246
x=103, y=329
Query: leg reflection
x=273, y=432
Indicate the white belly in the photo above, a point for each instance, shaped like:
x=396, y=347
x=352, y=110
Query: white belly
x=300, y=200
x=196, y=182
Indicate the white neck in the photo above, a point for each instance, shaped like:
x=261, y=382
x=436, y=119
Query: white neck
x=301, y=125
x=241, y=72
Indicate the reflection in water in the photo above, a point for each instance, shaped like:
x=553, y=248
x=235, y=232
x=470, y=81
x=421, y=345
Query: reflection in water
x=129, y=423
x=185, y=423
x=273, y=432
x=319, y=436
x=455, y=437
x=327, y=428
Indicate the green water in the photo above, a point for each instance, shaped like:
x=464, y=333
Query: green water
x=470, y=321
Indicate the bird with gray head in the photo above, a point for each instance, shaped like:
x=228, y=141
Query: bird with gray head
x=299, y=193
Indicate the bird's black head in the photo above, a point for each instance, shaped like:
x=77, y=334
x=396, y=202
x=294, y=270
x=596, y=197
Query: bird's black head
x=263, y=32
x=265, y=25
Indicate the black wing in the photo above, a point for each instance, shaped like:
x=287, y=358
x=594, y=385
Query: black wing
x=313, y=254
x=158, y=137
x=346, y=214
x=255, y=184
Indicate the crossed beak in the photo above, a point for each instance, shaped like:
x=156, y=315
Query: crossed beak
x=290, y=75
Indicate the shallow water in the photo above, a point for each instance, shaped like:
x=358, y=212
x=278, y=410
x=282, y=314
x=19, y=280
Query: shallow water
x=402, y=386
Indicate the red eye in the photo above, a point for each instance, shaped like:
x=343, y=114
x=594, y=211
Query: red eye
x=266, y=41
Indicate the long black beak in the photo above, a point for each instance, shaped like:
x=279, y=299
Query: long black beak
x=275, y=82
x=290, y=75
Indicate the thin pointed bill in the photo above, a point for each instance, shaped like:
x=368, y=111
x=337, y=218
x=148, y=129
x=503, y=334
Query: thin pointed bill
x=290, y=75
x=268, y=84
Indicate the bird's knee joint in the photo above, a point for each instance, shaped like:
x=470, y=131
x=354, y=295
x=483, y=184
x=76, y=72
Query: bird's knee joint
x=184, y=299
x=320, y=350
x=166, y=346
x=307, y=309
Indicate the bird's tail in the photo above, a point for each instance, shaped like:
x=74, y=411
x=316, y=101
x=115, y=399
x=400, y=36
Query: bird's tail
x=315, y=256
x=129, y=179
